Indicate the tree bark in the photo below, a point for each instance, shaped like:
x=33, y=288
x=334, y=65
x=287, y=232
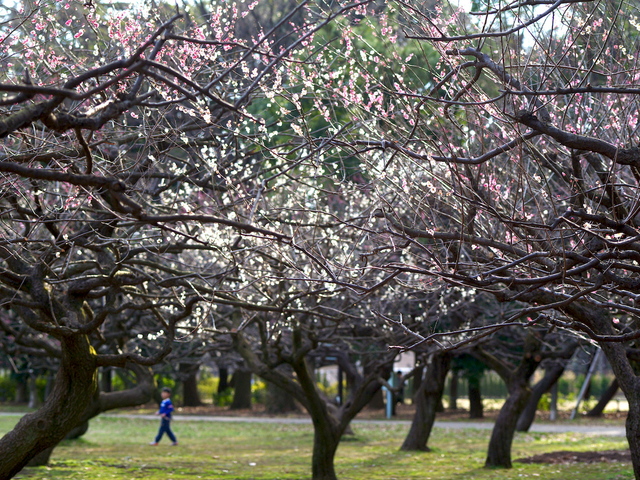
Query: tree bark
x=22, y=390
x=551, y=376
x=223, y=379
x=427, y=399
x=605, y=398
x=242, y=389
x=102, y=402
x=70, y=397
x=377, y=402
x=190, y=394
x=517, y=380
x=476, y=409
x=453, y=391
x=106, y=379
x=41, y=458
x=326, y=438
x=278, y=401
x=630, y=386
x=499, y=453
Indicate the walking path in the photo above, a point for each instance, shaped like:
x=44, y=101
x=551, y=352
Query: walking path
x=606, y=430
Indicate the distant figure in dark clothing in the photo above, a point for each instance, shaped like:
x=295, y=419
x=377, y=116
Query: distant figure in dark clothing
x=166, y=407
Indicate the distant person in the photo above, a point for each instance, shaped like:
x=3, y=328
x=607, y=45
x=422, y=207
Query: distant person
x=166, y=407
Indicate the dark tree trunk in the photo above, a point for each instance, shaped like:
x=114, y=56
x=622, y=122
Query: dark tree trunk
x=223, y=379
x=190, y=394
x=242, y=389
x=78, y=431
x=326, y=439
x=551, y=376
x=49, y=386
x=633, y=433
x=140, y=393
x=499, y=453
x=427, y=399
x=476, y=410
x=278, y=401
x=41, y=458
x=453, y=391
x=630, y=385
x=102, y=402
x=377, y=402
x=22, y=389
x=69, y=399
x=605, y=398
x=106, y=379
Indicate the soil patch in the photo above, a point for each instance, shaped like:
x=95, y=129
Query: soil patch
x=566, y=457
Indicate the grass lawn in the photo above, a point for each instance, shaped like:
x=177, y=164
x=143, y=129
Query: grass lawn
x=118, y=448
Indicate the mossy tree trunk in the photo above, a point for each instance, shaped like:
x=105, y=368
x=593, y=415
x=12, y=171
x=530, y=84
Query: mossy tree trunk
x=103, y=402
x=63, y=409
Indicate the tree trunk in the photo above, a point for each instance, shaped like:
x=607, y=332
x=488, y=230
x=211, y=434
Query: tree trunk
x=453, y=391
x=551, y=376
x=223, y=379
x=49, y=386
x=106, y=379
x=377, y=402
x=427, y=398
x=278, y=401
x=499, y=453
x=22, y=390
x=242, y=389
x=329, y=421
x=70, y=397
x=475, y=399
x=633, y=434
x=190, y=394
x=105, y=401
x=605, y=398
x=78, y=431
x=34, y=399
x=325, y=444
x=41, y=458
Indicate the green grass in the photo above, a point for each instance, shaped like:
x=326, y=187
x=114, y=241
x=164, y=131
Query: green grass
x=117, y=448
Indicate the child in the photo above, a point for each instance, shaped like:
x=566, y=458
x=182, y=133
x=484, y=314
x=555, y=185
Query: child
x=166, y=407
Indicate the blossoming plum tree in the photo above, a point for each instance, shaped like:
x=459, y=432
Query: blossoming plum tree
x=516, y=170
x=133, y=178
